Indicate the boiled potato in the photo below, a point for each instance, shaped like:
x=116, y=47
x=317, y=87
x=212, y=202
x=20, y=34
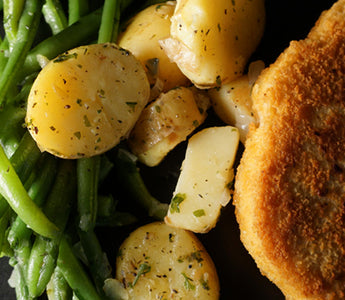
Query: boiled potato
x=160, y=262
x=203, y=186
x=167, y=122
x=141, y=37
x=211, y=41
x=86, y=100
x=233, y=103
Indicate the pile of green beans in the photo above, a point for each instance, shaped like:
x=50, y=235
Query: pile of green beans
x=50, y=208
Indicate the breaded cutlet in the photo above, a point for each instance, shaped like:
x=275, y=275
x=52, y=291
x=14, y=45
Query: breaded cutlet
x=290, y=185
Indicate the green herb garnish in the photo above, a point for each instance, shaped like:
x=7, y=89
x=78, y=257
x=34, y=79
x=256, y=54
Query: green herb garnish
x=176, y=201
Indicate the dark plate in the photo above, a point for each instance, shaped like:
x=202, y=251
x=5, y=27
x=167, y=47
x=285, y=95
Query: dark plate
x=239, y=276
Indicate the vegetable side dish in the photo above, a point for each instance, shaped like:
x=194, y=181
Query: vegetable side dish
x=122, y=127
x=95, y=103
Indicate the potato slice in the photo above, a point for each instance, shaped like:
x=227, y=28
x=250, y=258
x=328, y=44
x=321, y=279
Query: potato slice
x=203, y=185
x=211, y=42
x=160, y=262
x=141, y=37
x=167, y=122
x=232, y=102
x=86, y=100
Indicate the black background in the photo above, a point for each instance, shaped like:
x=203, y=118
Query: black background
x=239, y=276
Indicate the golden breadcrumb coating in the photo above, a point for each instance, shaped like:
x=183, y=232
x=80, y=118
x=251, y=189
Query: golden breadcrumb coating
x=290, y=185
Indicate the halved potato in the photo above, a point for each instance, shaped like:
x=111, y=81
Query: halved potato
x=86, y=100
x=212, y=41
x=141, y=37
x=160, y=262
x=203, y=186
x=166, y=122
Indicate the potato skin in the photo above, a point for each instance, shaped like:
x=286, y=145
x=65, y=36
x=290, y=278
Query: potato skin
x=177, y=265
x=211, y=41
x=86, y=100
x=141, y=38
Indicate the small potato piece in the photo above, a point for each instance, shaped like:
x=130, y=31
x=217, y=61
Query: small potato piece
x=86, y=100
x=211, y=41
x=141, y=37
x=160, y=262
x=203, y=185
x=167, y=122
x=232, y=102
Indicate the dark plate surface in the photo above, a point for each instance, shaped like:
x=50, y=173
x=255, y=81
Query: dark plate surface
x=239, y=276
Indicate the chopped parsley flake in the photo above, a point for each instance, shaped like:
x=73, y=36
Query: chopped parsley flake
x=77, y=134
x=158, y=108
x=143, y=269
x=199, y=213
x=218, y=80
x=204, y=284
x=176, y=201
x=195, y=123
x=132, y=105
x=188, y=282
x=86, y=121
x=64, y=57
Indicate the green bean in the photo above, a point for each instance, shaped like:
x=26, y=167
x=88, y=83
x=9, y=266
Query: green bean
x=4, y=53
x=108, y=216
x=97, y=259
x=58, y=288
x=54, y=16
x=14, y=192
x=20, y=99
x=19, y=283
x=87, y=174
x=4, y=221
x=78, y=33
x=118, y=219
x=76, y=9
x=109, y=12
x=116, y=26
x=12, y=14
x=44, y=252
x=105, y=168
x=74, y=273
x=19, y=233
x=130, y=178
x=23, y=161
x=28, y=25
x=11, y=129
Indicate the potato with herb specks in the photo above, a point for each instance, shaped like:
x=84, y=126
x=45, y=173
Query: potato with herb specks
x=166, y=122
x=211, y=41
x=142, y=36
x=232, y=103
x=204, y=184
x=160, y=262
x=86, y=100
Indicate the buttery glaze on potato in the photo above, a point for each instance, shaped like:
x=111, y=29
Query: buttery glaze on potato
x=160, y=262
x=86, y=100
